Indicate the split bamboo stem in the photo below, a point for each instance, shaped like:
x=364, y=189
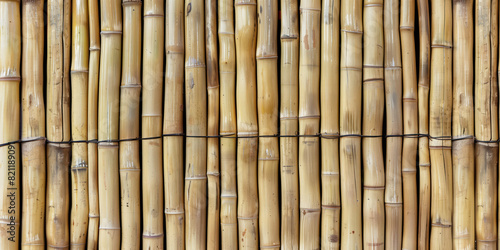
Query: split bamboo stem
x=93, y=89
x=440, y=110
x=267, y=96
x=108, y=153
x=463, y=126
x=10, y=62
x=350, y=122
x=195, y=194
x=423, y=125
x=289, y=125
x=246, y=97
x=152, y=97
x=410, y=121
x=130, y=92
x=373, y=119
x=33, y=127
x=173, y=146
x=213, y=173
x=486, y=122
x=228, y=195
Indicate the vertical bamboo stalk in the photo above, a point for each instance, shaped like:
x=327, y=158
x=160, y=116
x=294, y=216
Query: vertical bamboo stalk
x=130, y=92
x=289, y=125
x=246, y=112
x=33, y=127
x=10, y=62
x=463, y=126
x=108, y=153
x=213, y=125
x=228, y=195
x=196, y=125
x=351, y=27
x=152, y=178
x=173, y=146
x=373, y=119
x=486, y=122
x=440, y=108
x=267, y=106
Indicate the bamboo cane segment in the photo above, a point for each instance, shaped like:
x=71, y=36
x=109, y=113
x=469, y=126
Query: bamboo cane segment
x=173, y=149
x=130, y=92
x=228, y=195
x=10, y=62
x=152, y=178
x=267, y=96
x=196, y=125
x=373, y=119
x=213, y=173
x=289, y=124
x=246, y=97
x=33, y=127
x=108, y=152
x=463, y=126
x=350, y=122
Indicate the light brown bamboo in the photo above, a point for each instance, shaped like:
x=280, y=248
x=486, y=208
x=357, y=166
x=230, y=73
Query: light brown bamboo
x=440, y=110
x=227, y=67
x=213, y=172
x=351, y=27
x=289, y=124
x=108, y=153
x=463, y=126
x=173, y=146
x=152, y=177
x=246, y=113
x=130, y=92
x=486, y=122
x=33, y=127
x=195, y=190
x=373, y=119
x=10, y=62
x=267, y=107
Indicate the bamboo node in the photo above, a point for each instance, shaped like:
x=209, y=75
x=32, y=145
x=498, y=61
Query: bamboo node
x=110, y=32
x=152, y=235
x=10, y=79
x=58, y=247
x=406, y=27
x=109, y=228
x=352, y=31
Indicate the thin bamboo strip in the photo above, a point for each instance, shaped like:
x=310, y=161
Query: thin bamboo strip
x=228, y=195
x=289, y=124
x=10, y=62
x=373, y=119
x=152, y=177
x=33, y=127
x=246, y=112
x=463, y=126
x=130, y=92
x=350, y=122
x=108, y=153
x=173, y=146
x=213, y=173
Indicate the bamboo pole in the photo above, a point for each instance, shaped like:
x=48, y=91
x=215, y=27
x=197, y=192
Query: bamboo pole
x=33, y=127
x=108, y=153
x=289, y=125
x=440, y=108
x=173, y=146
x=213, y=173
x=267, y=106
x=463, y=126
x=486, y=122
x=246, y=113
x=423, y=126
x=10, y=62
x=373, y=119
x=196, y=125
x=130, y=92
x=152, y=178
x=228, y=195
x=350, y=122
